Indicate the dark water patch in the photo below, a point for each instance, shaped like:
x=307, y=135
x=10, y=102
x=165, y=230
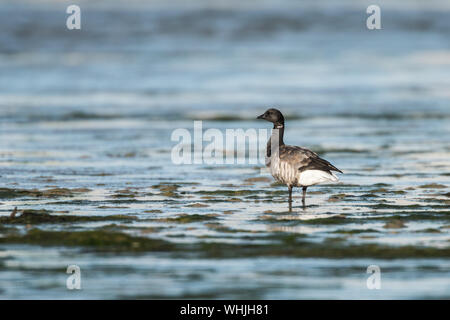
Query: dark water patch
x=337, y=219
x=255, y=197
x=395, y=224
x=80, y=115
x=369, y=195
x=368, y=237
x=355, y=231
x=197, y=205
x=208, y=197
x=100, y=240
x=333, y=249
x=44, y=179
x=112, y=207
x=154, y=168
x=71, y=116
x=129, y=154
x=5, y=230
x=231, y=193
x=255, y=234
x=188, y=218
x=437, y=200
x=122, y=227
x=342, y=185
x=221, y=118
x=101, y=174
x=274, y=193
x=275, y=218
x=126, y=193
x=44, y=216
x=219, y=200
x=315, y=192
x=433, y=186
x=153, y=211
x=335, y=239
x=234, y=118
x=337, y=197
x=394, y=116
x=414, y=216
x=379, y=190
x=258, y=179
x=207, y=294
x=6, y=193
x=180, y=235
x=381, y=185
x=30, y=270
x=408, y=206
x=221, y=228
x=277, y=184
x=343, y=219
x=78, y=202
x=288, y=246
x=168, y=189
x=131, y=201
x=428, y=230
x=383, y=190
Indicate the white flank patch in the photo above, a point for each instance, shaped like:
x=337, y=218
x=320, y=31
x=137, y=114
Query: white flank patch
x=312, y=177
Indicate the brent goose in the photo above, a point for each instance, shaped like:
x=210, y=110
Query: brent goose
x=292, y=165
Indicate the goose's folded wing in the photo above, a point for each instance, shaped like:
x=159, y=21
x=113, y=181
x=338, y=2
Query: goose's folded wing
x=305, y=159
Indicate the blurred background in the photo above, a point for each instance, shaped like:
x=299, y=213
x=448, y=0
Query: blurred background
x=95, y=108
x=161, y=59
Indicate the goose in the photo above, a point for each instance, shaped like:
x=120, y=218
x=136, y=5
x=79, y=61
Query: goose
x=291, y=165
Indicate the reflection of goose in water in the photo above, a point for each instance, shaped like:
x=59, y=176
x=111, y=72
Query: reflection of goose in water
x=294, y=166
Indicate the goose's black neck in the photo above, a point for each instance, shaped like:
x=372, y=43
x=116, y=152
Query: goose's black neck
x=276, y=139
x=278, y=131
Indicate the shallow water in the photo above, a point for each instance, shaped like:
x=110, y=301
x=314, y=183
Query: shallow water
x=95, y=110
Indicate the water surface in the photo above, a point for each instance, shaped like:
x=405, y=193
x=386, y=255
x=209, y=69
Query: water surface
x=89, y=114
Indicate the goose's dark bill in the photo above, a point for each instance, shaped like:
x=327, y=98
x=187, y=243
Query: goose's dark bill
x=291, y=165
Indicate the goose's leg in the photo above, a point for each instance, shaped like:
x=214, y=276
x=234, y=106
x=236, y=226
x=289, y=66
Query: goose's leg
x=290, y=198
x=304, y=196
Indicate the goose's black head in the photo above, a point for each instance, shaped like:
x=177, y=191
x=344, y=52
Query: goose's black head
x=274, y=116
